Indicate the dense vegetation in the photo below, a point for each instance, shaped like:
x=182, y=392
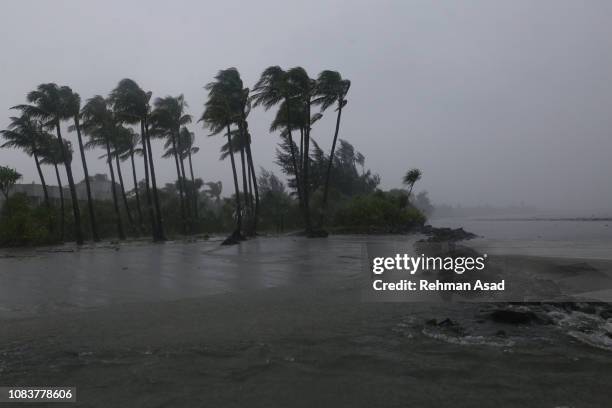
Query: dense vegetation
x=323, y=189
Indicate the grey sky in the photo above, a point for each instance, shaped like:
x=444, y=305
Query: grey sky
x=498, y=102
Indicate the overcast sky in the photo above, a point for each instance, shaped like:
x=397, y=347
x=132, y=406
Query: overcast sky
x=498, y=102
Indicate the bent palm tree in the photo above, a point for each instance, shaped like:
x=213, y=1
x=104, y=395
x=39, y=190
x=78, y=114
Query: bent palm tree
x=222, y=109
x=48, y=103
x=276, y=86
x=73, y=107
x=331, y=89
x=131, y=105
x=166, y=120
x=411, y=177
x=186, y=141
x=53, y=155
x=127, y=148
x=27, y=134
x=99, y=124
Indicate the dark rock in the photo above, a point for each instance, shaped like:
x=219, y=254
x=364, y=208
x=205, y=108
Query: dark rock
x=513, y=316
x=446, y=234
x=233, y=239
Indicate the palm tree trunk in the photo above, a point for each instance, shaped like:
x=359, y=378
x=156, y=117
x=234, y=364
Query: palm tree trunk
x=301, y=147
x=61, y=192
x=75, y=203
x=254, y=176
x=306, y=162
x=140, y=220
x=250, y=180
x=329, y=167
x=180, y=183
x=115, y=203
x=160, y=226
x=245, y=186
x=92, y=215
x=143, y=139
x=195, y=191
x=42, y=180
x=125, y=200
x=238, y=209
x=185, y=189
x=294, y=160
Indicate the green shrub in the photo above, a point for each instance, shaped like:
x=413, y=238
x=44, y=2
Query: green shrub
x=22, y=224
x=378, y=212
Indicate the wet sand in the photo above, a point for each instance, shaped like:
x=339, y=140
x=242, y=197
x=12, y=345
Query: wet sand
x=276, y=322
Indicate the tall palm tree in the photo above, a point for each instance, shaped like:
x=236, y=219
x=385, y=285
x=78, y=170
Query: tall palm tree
x=120, y=134
x=166, y=120
x=411, y=177
x=131, y=105
x=221, y=110
x=52, y=155
x=100, y=125
x=186, y=141
x=331, y=89
x=243, y=126
x=27, y=134
x=238, y=144
x=73, y=107
x=48, y=103
x=127, y=149
x=276, y=86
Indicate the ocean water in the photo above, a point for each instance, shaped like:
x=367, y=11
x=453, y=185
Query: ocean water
x=533, y=229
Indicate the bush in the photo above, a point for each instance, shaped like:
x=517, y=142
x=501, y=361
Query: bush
x=23, y=225
x=378, y=212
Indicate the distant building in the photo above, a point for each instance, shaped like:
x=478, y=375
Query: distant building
x=100, y=188
x=99, y=183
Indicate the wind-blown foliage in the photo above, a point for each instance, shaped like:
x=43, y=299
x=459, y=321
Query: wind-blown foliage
x=51, y=104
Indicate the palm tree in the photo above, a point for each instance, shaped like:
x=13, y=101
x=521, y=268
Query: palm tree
x=119, y=135
x=127, y=148
x=303, y=89
x=48, y=103
x=27, y=134
x=53, y=155
x=73, y=107
x=411, y=177
x=166, y=120
x=100, y=125
x=331, y=89
x=186, y=140
x=131, y=105
x=222, y=109
x=274, y=87
x=243, y=126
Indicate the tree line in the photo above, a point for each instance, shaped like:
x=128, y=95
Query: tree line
x=124, y=122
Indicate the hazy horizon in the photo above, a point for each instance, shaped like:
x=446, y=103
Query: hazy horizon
x=499, y=103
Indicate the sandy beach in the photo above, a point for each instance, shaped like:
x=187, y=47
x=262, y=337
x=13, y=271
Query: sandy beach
x=300, y=328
